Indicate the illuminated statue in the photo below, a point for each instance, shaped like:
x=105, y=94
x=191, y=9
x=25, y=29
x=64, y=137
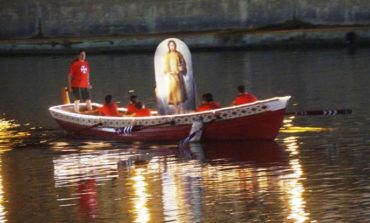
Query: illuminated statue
x=175, y=88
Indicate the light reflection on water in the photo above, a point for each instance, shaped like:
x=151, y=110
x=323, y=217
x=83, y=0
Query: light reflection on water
x=186, y=185
x=9, y=136
x=140, y=205
x=2, y=199
x=208, y=182
x=71, y=168
x=293, y=186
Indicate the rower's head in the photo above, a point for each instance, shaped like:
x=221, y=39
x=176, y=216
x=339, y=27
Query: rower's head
x=82, y=55
x=241, y=88
x=108, y=98
x=139, y=105
x=133, y=99
x=208, y=97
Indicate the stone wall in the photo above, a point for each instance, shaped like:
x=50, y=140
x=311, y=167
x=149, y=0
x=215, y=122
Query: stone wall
x=23, y=19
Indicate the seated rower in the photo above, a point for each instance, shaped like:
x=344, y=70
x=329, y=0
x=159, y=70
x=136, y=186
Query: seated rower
x=208, y=103
x=131, y=108
x=141, y=110
x=243, y=97
x=109, y=108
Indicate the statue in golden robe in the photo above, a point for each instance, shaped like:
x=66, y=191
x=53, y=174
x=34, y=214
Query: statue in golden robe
x=175, y=67
x=175, y=88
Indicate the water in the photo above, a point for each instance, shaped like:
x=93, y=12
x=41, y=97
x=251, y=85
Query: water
x=317, y=170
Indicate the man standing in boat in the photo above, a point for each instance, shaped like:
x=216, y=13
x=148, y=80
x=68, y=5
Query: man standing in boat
x=78, y=81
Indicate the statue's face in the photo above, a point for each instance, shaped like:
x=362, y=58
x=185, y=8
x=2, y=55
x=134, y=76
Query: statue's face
x=172, y=46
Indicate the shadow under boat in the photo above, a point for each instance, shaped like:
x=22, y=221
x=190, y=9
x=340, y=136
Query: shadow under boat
x=257, y=153
x=261, y=153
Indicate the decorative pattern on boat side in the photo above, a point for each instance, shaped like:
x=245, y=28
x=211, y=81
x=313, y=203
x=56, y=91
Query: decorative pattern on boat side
x=185, y=119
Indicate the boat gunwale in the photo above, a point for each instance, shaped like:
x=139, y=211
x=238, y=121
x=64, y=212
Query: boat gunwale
x=206, y=116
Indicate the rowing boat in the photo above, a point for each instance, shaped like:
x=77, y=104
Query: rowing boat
x=260, y=120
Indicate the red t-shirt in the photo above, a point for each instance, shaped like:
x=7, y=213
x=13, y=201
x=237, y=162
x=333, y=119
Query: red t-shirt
x=110, y=109
x=131, y=108
x=208, y=106
x=142, y=112
x=80, y=73
x=244, y=99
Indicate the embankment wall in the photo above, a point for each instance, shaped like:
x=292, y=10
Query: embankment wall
x=24, y=19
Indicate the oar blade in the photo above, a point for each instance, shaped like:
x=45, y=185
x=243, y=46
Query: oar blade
x=196, y=131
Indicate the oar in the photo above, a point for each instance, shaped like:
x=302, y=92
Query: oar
x=184, y=142
x=196, y=131
x=326, y=112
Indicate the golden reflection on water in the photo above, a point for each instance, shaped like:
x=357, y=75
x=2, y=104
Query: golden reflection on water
x=87, y=147
x=293, y=186
x=170, y=196
x=179, y=204
x=2, y=200
x=85, y=171
x=288, y=127
x=141, y=195
x=183, y=187
x=263, y=182
x=100, y=164
x=7, y=135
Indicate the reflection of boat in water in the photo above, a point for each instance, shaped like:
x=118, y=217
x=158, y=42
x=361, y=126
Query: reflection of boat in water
x=260, y=120
x=88, y=203
x=255, y=152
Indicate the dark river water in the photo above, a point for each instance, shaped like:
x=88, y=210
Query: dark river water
x=317, y=170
